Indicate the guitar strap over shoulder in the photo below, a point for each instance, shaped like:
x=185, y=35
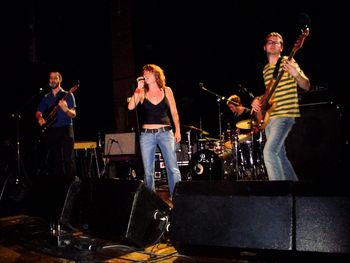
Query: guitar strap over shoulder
x=277, y=67
x=60, y=95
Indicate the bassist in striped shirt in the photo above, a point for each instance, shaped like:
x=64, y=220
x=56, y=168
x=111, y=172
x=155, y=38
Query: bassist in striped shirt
x=277, y=109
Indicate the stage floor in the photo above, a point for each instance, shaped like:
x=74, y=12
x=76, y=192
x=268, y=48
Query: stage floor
x=26, y=237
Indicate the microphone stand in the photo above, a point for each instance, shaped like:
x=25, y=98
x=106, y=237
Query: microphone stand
x=17, y=116
x=138, y=154
x=106, y=158
x=219, y=99
x=242, y=88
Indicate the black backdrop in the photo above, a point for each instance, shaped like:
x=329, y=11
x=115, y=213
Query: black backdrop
x=218, y=44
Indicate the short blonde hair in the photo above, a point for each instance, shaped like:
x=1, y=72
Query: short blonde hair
x=275, y=34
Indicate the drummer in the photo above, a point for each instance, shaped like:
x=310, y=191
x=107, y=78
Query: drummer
x=241, y=119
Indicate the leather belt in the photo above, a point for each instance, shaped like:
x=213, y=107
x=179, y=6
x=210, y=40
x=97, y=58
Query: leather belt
x=163, y=129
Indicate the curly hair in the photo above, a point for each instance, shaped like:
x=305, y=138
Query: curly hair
x=158, y=73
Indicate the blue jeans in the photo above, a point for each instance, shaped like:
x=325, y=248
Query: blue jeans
x=278, y=166
x=166, y=142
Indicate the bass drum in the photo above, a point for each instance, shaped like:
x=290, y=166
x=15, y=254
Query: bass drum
x=206, y=165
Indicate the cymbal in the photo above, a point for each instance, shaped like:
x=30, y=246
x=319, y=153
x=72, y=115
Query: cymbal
x=196, y=129
x=241, y=139
x=244, y=137
x=208, y=139
x=245, y=124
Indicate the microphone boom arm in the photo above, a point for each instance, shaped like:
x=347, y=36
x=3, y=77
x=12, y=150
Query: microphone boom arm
x=218, y=95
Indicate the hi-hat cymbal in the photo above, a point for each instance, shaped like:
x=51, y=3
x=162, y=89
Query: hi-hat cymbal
x=196, y=129
x=245, y=124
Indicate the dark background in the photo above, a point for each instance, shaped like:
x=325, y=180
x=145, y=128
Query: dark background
x=219, y=44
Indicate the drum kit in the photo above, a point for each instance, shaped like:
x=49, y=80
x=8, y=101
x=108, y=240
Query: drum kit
x=232, y=156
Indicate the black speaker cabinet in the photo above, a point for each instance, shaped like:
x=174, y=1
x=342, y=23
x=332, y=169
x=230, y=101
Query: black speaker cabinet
x=322, y=213
x=119, y=210
x=314, y=143
x=219, y=217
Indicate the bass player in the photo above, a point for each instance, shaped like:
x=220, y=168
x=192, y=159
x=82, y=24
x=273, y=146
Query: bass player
x=284, y=75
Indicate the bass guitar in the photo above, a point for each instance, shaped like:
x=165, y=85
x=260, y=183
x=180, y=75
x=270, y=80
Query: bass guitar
x=50, y=118
x=267, y=105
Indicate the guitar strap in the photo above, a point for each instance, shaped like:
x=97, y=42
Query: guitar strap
x=49, y=111
x=60, y=96
x=277, y=67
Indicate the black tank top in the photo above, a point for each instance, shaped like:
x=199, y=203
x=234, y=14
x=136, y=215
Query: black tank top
x=156, y=114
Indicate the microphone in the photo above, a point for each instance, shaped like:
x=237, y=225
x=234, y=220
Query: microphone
x=141, y=78
x=201, y=85
x=42, y=89
x=112, y=140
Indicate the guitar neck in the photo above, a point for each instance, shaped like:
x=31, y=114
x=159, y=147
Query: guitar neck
x=63, y=98
x=66, y=95
x=276, y=81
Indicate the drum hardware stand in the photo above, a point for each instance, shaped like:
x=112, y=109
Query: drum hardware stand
x=235, y=150
x=254, y=156
x=260, y=171
x=199, y=143
x=189, y=152
x=251, y=158
x=211, y=161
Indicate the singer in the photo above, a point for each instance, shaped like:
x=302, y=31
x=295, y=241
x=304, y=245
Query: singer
x=160, y=111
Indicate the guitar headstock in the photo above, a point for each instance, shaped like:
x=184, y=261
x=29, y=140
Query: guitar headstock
x=299, y=43
x=75, y=87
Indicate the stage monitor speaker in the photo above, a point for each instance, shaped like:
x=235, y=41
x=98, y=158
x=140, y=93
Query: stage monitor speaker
x=219, y=217
x=119, y=210
x=120, y=144
x=47, y=196
x=323, y=218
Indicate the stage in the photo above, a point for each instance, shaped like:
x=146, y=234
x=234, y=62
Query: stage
x=119, y=220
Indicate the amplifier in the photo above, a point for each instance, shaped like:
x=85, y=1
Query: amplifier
x=120, y=144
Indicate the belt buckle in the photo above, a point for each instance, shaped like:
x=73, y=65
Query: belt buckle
x=162, y=129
